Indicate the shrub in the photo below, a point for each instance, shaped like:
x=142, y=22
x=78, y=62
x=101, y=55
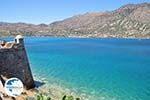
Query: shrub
x=42, y=97
x=69, y=98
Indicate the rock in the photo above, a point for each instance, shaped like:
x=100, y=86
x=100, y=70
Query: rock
x=1, y=88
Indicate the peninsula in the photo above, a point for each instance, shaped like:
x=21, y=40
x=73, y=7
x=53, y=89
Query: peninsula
x=129, y=21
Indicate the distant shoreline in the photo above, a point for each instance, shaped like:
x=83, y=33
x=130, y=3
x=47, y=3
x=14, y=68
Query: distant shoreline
x=127, y=21
x=82, y=37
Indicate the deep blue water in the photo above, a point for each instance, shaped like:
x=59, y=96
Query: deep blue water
x=108, y=69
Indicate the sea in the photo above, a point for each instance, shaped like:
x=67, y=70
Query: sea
x=102, y=68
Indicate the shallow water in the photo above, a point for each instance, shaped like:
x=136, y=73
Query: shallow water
x=106, y=69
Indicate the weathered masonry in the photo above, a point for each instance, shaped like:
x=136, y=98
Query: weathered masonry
x=14, y=61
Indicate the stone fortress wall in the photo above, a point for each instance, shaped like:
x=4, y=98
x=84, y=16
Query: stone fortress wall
x=14, y=61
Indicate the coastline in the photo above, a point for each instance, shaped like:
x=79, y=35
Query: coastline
x=56, y=90
x=53, y=91
x=98, y=37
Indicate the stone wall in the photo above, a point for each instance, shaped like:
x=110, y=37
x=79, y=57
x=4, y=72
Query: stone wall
x=14, y=63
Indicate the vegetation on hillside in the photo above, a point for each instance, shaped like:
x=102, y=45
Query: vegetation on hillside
x=132, y=20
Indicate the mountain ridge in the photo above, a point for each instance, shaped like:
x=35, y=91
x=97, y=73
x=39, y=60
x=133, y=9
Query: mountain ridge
x=131, y=20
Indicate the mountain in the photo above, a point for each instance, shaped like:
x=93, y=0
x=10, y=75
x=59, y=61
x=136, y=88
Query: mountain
x=132, y=20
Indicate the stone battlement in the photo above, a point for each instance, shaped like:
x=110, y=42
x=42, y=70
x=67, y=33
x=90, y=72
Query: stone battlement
x=14, y=61
x=17, y=43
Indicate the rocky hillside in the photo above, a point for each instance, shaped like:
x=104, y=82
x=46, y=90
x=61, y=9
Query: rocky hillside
x=132, y=20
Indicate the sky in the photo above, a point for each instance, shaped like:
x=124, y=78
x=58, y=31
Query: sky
x=47, y=11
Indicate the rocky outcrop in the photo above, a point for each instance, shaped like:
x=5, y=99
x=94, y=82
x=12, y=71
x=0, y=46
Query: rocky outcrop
x=14, y=62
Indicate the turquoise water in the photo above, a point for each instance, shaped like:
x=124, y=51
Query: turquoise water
x=107, y=69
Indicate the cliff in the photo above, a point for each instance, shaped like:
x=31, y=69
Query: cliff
x=14, y=62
